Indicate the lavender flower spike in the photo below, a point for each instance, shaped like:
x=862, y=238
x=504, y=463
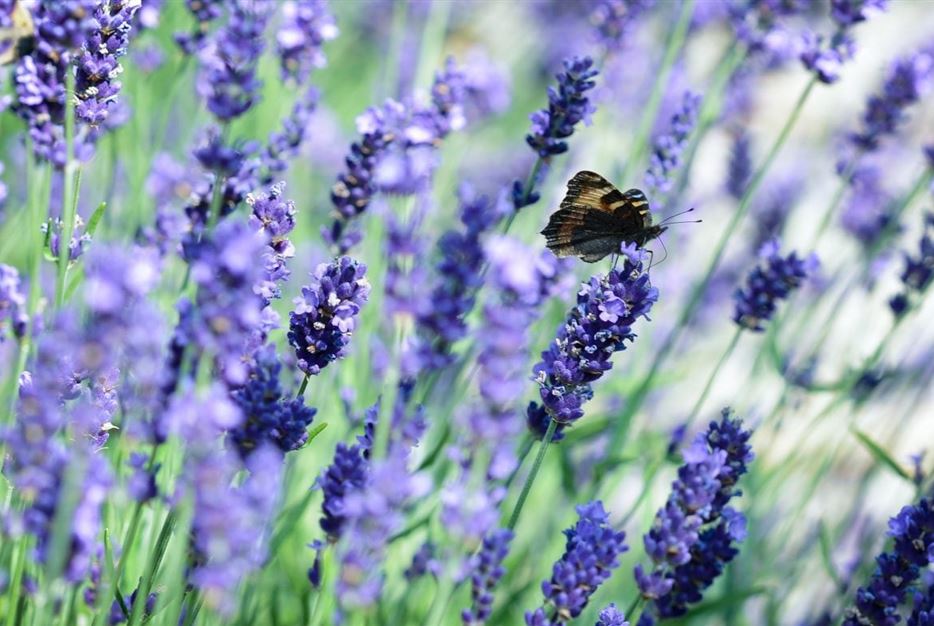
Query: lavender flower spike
x=919, y=271
x=591, y=554
x=568, y=105
x=12, y=302
x=611, y=616
x=306, y=25
x=767, y=284
x=323, y=321
x=878, y=602
x=486, y=571
x=601, y=324
x=666, y=153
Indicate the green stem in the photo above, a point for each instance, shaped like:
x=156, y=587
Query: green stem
x=68, y=207
x=650, y=111
x=325, y=593
x=440, y=602
x=155, y=560
x=527, y=487
x=713, y=375
x=621, y=426
x=302, y=387
x=636, y=602
x=432, y=42
x=16, y=579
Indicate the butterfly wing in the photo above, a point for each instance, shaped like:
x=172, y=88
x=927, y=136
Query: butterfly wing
x=18, y=36
x=595, y=217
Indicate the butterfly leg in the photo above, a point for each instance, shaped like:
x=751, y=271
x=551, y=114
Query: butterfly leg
x=615, y=260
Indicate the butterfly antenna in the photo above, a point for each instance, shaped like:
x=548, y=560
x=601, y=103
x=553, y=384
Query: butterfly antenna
x=665, y=248
x=671, y=217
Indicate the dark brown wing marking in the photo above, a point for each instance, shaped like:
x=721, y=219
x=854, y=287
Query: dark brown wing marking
x=589, y=189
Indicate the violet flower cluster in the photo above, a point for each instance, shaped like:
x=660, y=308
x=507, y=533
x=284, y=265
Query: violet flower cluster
x=347, y=472
x=613, y=20
x=591, y=553
x=912, y=532
x=600, y=325
x=568, y=105
x=323, y=321
x=611, y=616
x=692, y=536
x=667, y=149
x=770, y=282
x=486, y=570
x=12, y=303
x=919, y=270
x=306, y=25
x=204, y=12
x=826, y=59
x=273, y=217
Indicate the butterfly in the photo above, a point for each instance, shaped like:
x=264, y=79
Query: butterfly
x=18, y=39
x=595, y=218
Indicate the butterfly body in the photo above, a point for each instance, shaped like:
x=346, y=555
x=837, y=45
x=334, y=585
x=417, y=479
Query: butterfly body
x=595, y=219
x=17, y=40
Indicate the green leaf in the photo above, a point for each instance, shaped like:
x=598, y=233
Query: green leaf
x=314, y=432
x=95, y=219
x=823, y=536
x=881, y=455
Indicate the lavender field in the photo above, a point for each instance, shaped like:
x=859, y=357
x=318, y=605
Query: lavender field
x=349, y=312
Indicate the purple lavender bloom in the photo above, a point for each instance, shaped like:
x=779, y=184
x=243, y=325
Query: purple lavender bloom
x=866, y=214
x=424, y=562
x=323, y=321
x=667, y=149
x=373, y=514
x=759, y=25
x=79, y=239
x=348, y=472
x=406, y=275
x=284, y=145
x=12, y=303
x=768, y=283
x=458, y=273
x=591, y=553
x=227, y=79
x=270, y=416
x=922, y=613
x=846, y=13
x=486, y=570
x=224, y=265
x=826, y=61
x=205, y=12
x=568, y=105
x=98, y=63
x=601, y=323
x=612, y=21
x=691, y=538
x=3, y=188
x=611, y=616
x=878, y=602
x=274, y=218
x=740, y=169
x=306, y=25
x=886, y=111
x=919, y=271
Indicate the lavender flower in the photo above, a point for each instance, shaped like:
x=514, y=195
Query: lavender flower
x=79, y=239
x=284, y=145
x=205, y=12
x=424, y=561
x=600, y=324
x=486, y=569
x=919, y=271
x=224, y=265
x=98, y=66
x=227, y=79
x=923, y=611
x=826, y=61
x=568, y=105
x=269, y=414
x=306, y=25
x=667, y=149
x=903, y=87
x=767, y=284
x=612, y=21
x=912, y=531
x=323, y=321
x=866, y=214
x=590, y=555
x=348, y=472
x=611, y=616
x=12, y=303
x=691, y=538
x=740, y=169
x=846, y=13
x=759, y=24
x=458, y=272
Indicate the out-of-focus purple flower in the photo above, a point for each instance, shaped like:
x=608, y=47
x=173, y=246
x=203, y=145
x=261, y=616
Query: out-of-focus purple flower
x=373, y=513
x=407, y=274
x=98, y=64
x=919, y=270
x=306, y=25
x=284, y=145
x=3, y=188
x=759, y=24
x=613, y=19
x=667, y=149
x=878, y=602
x=599, y=325
x=79, y=239
x=591, y=553
x=227, y=78
x=826, y=60
x=611, y=616
x=424, y=562
x=12, y=303
x=740, y=168
x=270, y=416
x=324, y=317
x=117, y=616
x=231, y=525
x=906, y=81
x=458, y=276
x=225, y=266
x=846, y=13
x=691, y=538
x=486, y=570
x=204, y=12
x=568, y=105
x=866, y=214
x=520, y=280
x=773, y=280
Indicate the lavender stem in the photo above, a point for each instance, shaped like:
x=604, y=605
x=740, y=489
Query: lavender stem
x=527, y=487
x=713, y=375
x=68, y=207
